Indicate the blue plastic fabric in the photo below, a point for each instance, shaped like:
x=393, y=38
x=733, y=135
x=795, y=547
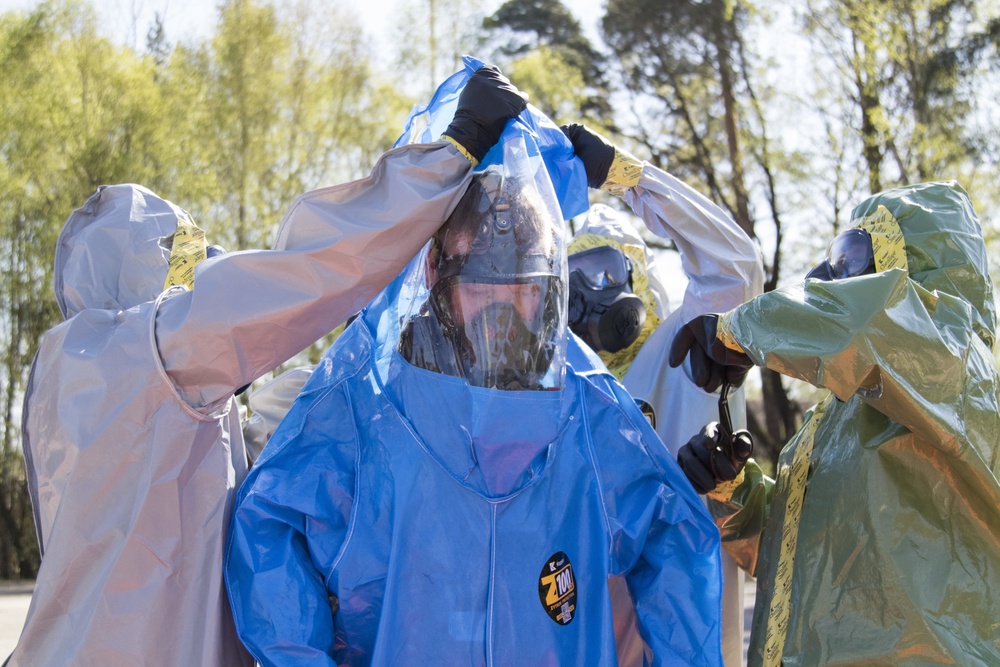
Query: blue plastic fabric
x=396, y=491
x=402, y=517
x=540, y=134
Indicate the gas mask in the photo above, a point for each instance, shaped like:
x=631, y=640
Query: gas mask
x=850, y=255
x=496, y=290
x=603, y=310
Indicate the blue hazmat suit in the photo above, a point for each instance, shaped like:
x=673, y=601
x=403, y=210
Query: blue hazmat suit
x=404, y=516
x=387, y=488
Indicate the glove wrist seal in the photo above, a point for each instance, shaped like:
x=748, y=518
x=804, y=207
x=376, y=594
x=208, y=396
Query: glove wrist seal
x=460, y=148
x=623, y=174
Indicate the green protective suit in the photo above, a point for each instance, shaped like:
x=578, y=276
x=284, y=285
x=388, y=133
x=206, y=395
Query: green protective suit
x=897, y=560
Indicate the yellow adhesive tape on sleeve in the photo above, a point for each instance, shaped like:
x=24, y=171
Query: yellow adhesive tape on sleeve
x=461, y=149
x=724, y=335
x=624, y=173
x=188, y=249
x=723, y=492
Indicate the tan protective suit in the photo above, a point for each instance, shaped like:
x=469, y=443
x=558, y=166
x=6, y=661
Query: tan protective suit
x=131, y=435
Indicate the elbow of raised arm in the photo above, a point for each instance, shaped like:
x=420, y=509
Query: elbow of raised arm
x=755, y=272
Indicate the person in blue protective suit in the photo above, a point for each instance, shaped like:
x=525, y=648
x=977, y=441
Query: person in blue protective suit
x=131, y=436
x=447, y=490
x=882, y=544
x=619, y=306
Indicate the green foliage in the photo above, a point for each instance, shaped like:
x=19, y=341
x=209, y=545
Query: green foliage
x=532, y=35
x=430, y=37
x=284, y=98
x=553, y=85
x=18, y=548
x=898, y=74
x=278, y=103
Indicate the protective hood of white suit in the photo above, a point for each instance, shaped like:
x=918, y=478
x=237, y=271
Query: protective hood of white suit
x=114, y=251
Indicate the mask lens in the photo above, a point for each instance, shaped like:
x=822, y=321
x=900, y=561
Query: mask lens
x=601, y=267
x=467, y=300
x=851, y=254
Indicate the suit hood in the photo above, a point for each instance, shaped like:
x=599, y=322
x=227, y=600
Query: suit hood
x=113, y=252
x=945, y=250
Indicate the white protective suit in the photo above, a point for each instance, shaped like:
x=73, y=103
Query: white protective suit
x=724, y=270
x=131, y=434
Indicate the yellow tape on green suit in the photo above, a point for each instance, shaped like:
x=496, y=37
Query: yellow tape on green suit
x=791, y=484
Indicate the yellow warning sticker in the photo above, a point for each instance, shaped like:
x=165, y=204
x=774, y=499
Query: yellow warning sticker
x=188, y=249
x=887, y=239
x=791, y=484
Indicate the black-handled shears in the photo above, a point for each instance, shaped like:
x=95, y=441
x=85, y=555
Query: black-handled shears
x=738, y=445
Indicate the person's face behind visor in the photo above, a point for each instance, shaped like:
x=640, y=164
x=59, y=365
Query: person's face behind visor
x=496, y=287
x=850, y=255
x=468, y=301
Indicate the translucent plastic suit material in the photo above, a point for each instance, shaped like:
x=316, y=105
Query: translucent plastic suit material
x=496, y=312
x=402, y=516
x=394, y=490
x=724, y=270
x=898, y=546
x=131, y=436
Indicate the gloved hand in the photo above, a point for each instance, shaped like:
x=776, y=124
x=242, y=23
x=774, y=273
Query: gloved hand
x=711, y=361
x=485, y=105
x=714, y=456
x=608, y=167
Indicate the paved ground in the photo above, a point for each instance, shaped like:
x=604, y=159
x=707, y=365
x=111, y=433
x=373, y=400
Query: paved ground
x=749, y=597
x=14, y=599
x=15, y=596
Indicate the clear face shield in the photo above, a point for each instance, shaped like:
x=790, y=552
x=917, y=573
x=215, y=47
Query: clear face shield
x=496, y=273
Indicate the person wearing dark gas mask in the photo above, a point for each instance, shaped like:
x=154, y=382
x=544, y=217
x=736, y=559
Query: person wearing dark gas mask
x=882, y=544
x=459, y=491
x=495, y=289
x=619, y=306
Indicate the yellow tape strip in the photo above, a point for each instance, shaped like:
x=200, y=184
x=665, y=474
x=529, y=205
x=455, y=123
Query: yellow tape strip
x=461, y=149
x=723, y=333
x=623, y=174
x=887, y=239
x=793, y=480
x=188, y=249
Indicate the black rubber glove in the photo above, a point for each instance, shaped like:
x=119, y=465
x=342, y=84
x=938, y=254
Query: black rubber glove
x=714, y=456
x=596, y=152
x=711, y=361
x=485, y=105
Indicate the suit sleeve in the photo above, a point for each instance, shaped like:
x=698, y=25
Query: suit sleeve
x=289, y=527
x=903, y=350
x=336, y=249
x=722, y=263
